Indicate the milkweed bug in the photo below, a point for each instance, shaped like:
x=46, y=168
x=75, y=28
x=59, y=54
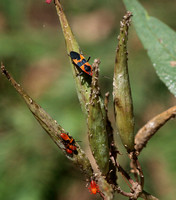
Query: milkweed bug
x=80, y=61
x=67, y=138
x=69, y=143
x=69, y=151
x=71, y=147
x=94, y=188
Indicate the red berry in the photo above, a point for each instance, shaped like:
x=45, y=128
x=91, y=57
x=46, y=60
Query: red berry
x=48, y=1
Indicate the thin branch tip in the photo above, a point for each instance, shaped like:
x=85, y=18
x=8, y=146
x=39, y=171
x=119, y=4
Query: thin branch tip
x=96, y=63
x=2, y=66
x=56, y=2
x=4, y=71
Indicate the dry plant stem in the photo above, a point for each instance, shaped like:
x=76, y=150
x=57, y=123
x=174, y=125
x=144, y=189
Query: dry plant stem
x=136, y=167
x=141, y=175
x=106, y=101
x=149, y=129
x=128, y=178
x=51, y=127
x=112, y=176
x=122, y=171
x=134, y=170
x=145, y=195
x=135, y=187
x=102, y=195
x=124, y=193
x=125, y=174
x=121, y=88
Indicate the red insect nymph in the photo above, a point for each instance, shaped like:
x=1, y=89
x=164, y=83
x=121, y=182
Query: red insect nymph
x=65, y=137
x=71, y=147
x=69, y=151
x=69, y=143
x=94, y=188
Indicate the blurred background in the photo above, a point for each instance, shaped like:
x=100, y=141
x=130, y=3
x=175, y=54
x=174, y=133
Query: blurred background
x=32, y=48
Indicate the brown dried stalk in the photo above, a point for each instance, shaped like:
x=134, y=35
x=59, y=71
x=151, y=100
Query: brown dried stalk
x=151, y=127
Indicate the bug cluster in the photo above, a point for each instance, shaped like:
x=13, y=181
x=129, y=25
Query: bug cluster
x=69, y=143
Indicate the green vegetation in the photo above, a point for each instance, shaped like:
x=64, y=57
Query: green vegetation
x=31, y=166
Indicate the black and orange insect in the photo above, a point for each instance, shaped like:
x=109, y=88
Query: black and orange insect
x=80, y=61
x=69, y=143
x=67, y=138
x=94, y=188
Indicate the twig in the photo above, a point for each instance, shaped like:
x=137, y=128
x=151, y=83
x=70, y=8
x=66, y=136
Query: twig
x=120, y=191
x=102, y=195
x=112, y=176
x=137, y=170
x=145, y=195
x=106, y=101
x=125, y=174
x=149, y=129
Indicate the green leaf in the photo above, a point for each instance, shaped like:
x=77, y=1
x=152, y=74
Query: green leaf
x=160, y=42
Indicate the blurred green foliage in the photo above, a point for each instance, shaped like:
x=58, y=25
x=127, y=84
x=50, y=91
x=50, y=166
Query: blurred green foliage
x=31, y=166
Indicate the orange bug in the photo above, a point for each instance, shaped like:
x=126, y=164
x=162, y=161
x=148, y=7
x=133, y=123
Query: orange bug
x=80, y=61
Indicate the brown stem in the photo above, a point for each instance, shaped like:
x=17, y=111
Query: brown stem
x=125, y=174
x=145, y=195
x=137, y=170
x=106, y=101
x=141, y=175
x=120, y=191
x=102, y=195
x=135, y=186
x=149, y=129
